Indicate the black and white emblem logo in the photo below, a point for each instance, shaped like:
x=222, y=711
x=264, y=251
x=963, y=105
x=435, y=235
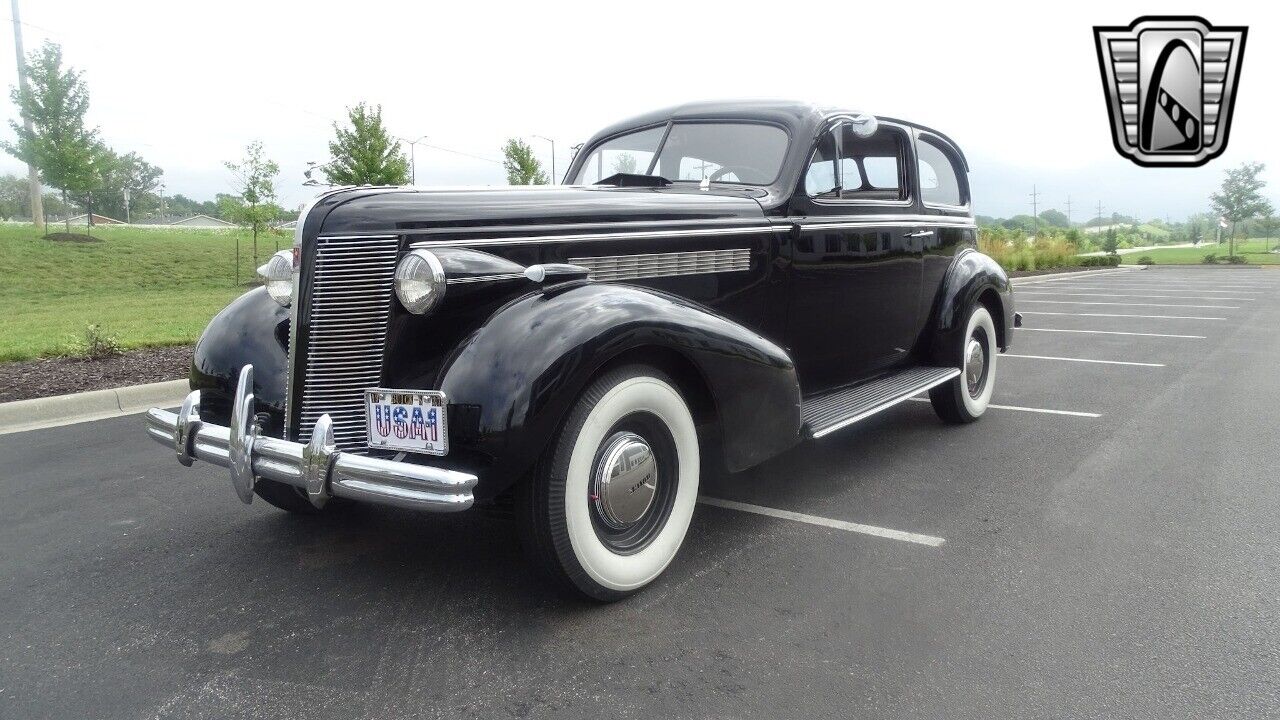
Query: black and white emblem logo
x=1171, y=86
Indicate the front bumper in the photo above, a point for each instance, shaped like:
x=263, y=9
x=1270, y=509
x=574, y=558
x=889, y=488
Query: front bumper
x=317, y=468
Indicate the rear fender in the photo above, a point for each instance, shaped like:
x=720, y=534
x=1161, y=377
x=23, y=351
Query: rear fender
x=971, y=275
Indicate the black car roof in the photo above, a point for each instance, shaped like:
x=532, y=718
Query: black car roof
x=802, y=119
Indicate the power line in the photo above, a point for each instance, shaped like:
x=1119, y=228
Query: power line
x=464, y=154
x=1068, y=211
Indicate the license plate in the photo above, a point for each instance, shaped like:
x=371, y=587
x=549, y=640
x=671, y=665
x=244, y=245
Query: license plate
x=412, y=420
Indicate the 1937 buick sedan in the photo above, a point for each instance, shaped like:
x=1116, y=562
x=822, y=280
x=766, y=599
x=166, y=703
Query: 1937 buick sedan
x=717, y=283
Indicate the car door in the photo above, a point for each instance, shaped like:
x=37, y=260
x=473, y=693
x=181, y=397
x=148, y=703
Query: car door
x=856, y=260
x=944, y=198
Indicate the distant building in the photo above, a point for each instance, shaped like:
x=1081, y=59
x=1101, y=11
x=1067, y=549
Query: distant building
x=203, y=221
x=97, y=219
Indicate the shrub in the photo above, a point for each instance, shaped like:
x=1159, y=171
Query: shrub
x=1100, y=261
x=1237, y=259
x=1146, y=260
x=96, y=344
x=1210, y=259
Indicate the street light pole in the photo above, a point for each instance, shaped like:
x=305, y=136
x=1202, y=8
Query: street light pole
x=554, y=179
x=413, y=158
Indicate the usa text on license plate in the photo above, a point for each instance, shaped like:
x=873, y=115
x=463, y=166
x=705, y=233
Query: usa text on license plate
x=413, y=420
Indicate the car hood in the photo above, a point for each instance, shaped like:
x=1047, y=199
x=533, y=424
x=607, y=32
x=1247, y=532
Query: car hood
x=372, y=210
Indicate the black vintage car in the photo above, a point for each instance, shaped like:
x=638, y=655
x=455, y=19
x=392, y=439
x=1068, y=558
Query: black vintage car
x=715, y=284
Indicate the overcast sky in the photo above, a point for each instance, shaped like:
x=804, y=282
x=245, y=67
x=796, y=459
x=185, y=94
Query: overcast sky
x=187, y=85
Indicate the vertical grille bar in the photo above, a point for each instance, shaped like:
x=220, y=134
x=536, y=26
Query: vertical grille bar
x=350, y=305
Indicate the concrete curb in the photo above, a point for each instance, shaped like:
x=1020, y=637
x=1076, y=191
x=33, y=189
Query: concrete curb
x=38, y=413
x=1078, y=273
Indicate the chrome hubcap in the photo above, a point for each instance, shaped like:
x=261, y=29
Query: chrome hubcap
x=974, y=363
x=625, y=480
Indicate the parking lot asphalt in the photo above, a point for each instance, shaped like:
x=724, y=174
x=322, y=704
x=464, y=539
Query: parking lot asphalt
x=1116, y=562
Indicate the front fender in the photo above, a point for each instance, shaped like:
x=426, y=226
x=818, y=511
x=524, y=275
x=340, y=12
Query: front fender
x=520, y=373
x=971, y=274
x=252, y=329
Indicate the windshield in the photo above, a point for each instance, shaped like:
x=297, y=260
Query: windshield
x=746, y=153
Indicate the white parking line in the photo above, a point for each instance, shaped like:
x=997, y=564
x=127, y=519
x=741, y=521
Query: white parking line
x=1185, y=285
x=1046, y=411
x=1161, y=317
x=910, y=537
x=1083, y=302
x=1132, y=295
x=1112, y=332
x=1068, y=277
x=1081, y=360
x=1152, y=287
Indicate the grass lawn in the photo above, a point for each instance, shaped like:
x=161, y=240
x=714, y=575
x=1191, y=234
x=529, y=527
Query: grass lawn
x=1252, y=250
x=145, y=286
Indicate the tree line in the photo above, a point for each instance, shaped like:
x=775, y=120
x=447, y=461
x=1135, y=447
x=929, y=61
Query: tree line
x=1239, y=201
x=86, y=175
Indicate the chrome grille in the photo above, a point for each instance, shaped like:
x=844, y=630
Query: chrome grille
x=350, y=304
x=698, y=262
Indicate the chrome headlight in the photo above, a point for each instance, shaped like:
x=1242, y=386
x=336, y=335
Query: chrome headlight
x=277, y=275
x=420, y=281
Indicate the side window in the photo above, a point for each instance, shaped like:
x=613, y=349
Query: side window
x=939, y=175
x=820, y=179
x=872, y=168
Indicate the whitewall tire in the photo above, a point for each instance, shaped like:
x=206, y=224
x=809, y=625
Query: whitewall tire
x=609, y=506
x=966, y=398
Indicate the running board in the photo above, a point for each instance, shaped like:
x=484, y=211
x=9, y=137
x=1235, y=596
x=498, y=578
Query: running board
x=827, y=413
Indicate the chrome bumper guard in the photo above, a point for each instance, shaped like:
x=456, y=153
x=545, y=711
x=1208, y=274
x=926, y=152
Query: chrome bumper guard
x=318, y=468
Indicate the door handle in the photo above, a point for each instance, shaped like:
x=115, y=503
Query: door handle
x=920, y=234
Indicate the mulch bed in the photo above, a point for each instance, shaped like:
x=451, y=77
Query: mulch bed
x=1030, y=273
x=59, y=376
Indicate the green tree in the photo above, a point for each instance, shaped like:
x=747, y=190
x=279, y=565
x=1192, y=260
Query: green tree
x=364, y=153
x=255, y=180
x=625, y=163
x=1112, y=242
x=1240, y=197
x=1267, y=225
x=1025, y=223
x=58, y=143
x=15, y=197
x=521, y=166
x=131, y=177
x=1056, y=218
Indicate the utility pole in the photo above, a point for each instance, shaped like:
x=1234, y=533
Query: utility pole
x=554, y=179
x=1068, y=211
x=1035, y=208
x=413, y=158
x=33, y=175
x=1099, y=213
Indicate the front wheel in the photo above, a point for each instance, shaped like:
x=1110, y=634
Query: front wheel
x=965, y=398
x=608, y=507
